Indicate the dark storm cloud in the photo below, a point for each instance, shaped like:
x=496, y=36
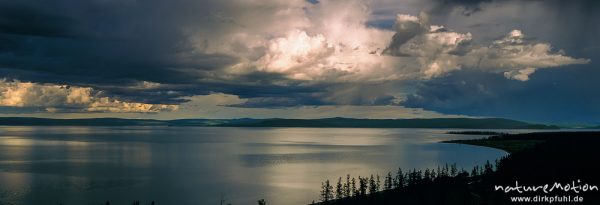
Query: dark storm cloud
x=259, y=94
x=472, y=6
x=19, y=18
x=172, y=93
x=556, y=95
x=162, y=52
x=110, y=40
x=564, y=94
x=469, y=6
x=269, y=96
x=280, y=102
x=114, y=45
x=111, y=45
x=315, y=99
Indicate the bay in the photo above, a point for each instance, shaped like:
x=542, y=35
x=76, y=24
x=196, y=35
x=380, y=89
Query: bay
x=204, y=165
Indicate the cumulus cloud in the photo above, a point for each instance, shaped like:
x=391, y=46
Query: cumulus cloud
x=323, y=46
x=294, y=52
x=518, y=57
x=64, y=98
x=439, y=51
x=342, y=48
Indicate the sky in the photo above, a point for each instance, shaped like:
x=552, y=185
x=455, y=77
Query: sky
x=530, y=60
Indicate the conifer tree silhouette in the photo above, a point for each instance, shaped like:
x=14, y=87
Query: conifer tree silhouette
x=363, y=185
x=372, y=185
x=388, y=181
x=489, y=168
x=347, y=187
x=327, y=191
x=400, y=180
x=339, y=190
x=355, y=191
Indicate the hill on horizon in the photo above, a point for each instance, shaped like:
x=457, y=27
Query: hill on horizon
x=465, y=123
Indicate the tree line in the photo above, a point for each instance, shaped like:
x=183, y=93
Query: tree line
x=350, y=187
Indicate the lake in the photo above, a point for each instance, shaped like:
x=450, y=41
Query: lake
x=203, y=165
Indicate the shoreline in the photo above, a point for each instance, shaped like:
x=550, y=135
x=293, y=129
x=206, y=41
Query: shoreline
x=509, y=146
x=536, y=158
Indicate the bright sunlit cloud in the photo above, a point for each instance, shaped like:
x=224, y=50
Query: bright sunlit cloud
x=64, y=98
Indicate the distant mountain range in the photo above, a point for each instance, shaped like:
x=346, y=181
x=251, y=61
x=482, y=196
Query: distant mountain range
x=593, y=127
x=465, y=123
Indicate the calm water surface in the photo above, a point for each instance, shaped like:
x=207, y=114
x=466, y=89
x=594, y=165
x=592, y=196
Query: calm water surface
x=196, y=165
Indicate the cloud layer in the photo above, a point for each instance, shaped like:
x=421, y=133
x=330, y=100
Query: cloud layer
x=64, y=98
x=151, y=56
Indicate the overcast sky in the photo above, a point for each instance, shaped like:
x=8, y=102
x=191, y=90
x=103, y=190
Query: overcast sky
x=525, y=60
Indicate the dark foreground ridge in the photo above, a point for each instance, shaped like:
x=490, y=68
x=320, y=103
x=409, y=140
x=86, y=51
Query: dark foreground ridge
x=464, y=123
x=567, y=158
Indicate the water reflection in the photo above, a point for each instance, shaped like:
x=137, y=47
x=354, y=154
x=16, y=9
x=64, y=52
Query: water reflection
x=89, y=165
